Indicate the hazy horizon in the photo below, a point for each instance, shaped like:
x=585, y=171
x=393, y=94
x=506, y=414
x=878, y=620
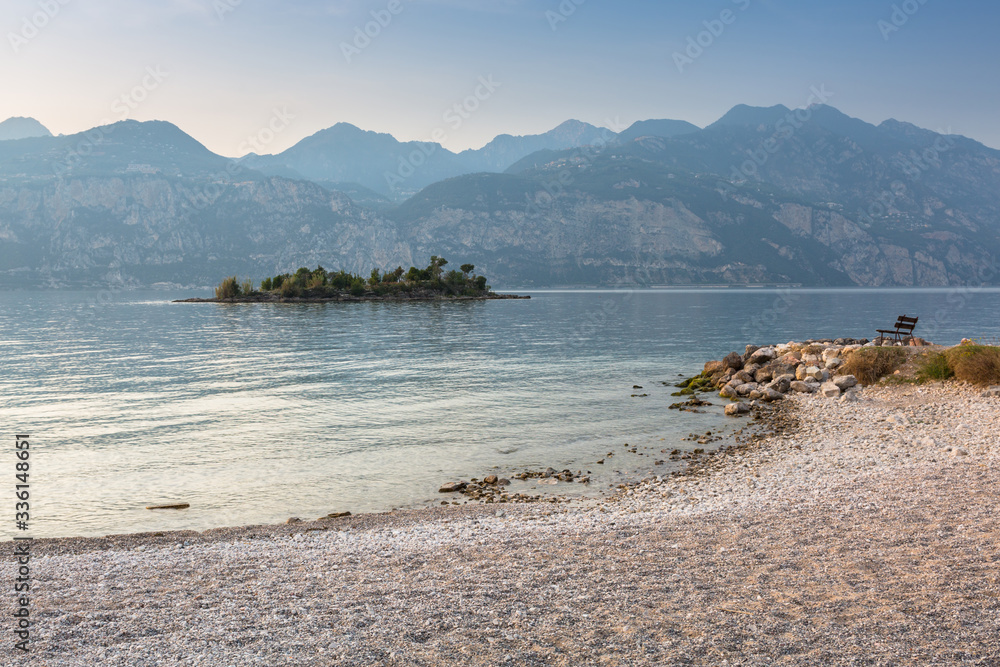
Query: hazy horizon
x=221, y=69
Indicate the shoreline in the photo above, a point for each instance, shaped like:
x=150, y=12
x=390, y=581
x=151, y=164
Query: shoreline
x=850, y=532
x=348, y=298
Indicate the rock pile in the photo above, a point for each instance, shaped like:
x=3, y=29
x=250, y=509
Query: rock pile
x=767, y=374
x=491, y=489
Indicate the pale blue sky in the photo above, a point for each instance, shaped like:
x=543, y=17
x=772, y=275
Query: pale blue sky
x=223, y=66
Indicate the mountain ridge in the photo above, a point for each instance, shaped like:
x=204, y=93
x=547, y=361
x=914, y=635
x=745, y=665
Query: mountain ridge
x=830, y=201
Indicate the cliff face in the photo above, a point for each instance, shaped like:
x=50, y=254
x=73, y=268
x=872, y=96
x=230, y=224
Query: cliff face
x=139, y=230
x=834, y=202
x=621, y=221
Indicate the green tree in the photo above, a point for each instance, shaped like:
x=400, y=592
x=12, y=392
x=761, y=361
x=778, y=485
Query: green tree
x=374, y=278
x=467, y=269
x=436, y=265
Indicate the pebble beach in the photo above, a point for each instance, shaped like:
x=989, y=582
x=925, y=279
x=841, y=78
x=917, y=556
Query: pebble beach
x=830, y=533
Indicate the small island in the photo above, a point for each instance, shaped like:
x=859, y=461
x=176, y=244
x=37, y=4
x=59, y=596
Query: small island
x=319, y=285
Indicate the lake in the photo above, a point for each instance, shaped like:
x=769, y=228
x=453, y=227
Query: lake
x=254, y=413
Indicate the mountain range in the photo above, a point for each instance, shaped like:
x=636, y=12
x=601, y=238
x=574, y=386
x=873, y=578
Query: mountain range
x=765, y=195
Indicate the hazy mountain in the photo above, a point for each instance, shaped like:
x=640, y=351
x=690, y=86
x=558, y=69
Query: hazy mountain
x=20, y=127
x=125, y=147
x=377, y=161
x=397, y=170
x=657, y=128
x=753, y=198
x=139, y=203
x=505, y=149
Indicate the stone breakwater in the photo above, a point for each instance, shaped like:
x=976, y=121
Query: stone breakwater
x=771, y=372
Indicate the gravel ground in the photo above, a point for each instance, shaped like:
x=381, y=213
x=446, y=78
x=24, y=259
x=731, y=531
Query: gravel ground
x=849, y=535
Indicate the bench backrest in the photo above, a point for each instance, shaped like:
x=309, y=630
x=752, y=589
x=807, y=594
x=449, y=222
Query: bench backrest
x=905, y=323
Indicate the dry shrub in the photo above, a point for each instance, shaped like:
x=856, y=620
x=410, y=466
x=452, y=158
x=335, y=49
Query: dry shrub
x=871, y=364
x=228, y=288
x=977, y=364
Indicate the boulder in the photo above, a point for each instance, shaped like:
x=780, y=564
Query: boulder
x=845, y=382
x=815, y=373
x=779, y=369
x=733, y=361
x=755, y=395
x=992, y=392
x=763, y=375
x=830, y=353
x=803, y=387
x=728, y=391
x=763, y=355
x=834, y=363
x=781, y=385
x=745, y=389
x=751, y=368
x=849, y=397
x=830, y=390
x=736, y=409
x=452, y=487
x=771, y=395
x=750, y=349
x=811, y=359
x=713, y=367
x=800, y=372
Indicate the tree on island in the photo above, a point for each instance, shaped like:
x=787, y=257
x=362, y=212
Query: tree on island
x=320, y=283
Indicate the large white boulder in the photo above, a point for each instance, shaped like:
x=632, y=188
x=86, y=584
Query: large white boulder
x=830, y=390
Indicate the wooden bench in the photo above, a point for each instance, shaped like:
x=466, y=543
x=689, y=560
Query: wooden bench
x=904, y=327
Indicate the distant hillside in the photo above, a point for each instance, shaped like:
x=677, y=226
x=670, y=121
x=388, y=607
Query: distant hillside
x=505, y=149
x=657, y=128
x=753, y=198
x=20, y=127
x=396, y=170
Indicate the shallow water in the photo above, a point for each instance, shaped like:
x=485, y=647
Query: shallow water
x=256, y=412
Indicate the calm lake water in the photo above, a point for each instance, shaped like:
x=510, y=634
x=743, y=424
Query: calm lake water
x=253, y=413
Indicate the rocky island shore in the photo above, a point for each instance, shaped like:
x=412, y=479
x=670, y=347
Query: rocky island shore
x=833, y=532
x=347, y=297
x=321, y=286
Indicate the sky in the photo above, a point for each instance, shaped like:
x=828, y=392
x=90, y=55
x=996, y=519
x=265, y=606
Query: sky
x=260, y=75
